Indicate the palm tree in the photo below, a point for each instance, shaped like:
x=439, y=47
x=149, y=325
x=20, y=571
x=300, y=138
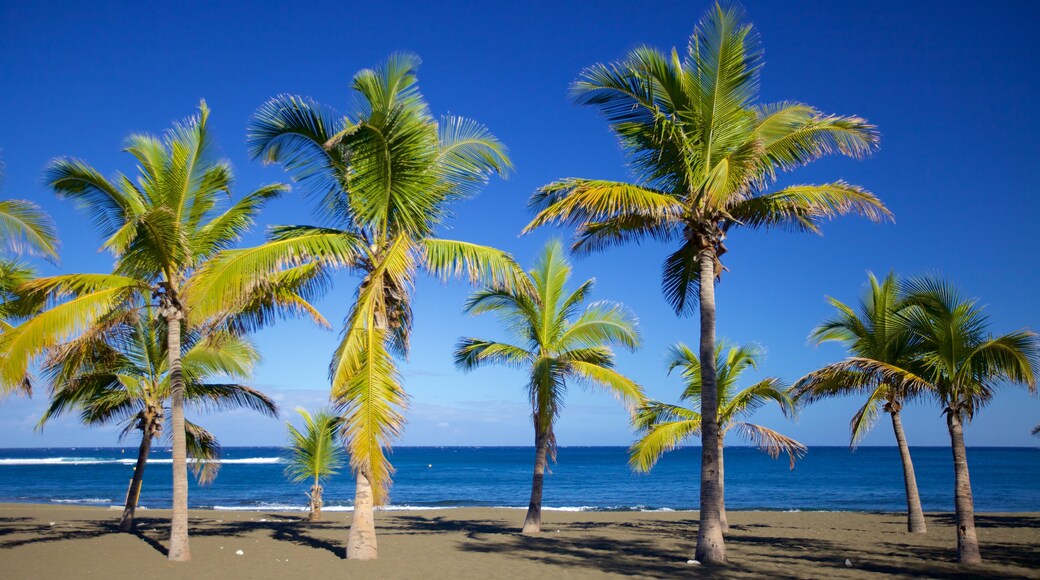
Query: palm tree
x=664, y=427
x=162, y=228
x=384, y=178
x=704, y=156
x=559, y=343
x=962, y=364
x=314, y=453
x=120, y=375
x=876, y=333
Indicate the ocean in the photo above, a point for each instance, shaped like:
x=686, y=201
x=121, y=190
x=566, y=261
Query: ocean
x=584, y=478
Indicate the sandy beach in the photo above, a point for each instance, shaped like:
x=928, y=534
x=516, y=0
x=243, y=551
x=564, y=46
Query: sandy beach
x=44, y=541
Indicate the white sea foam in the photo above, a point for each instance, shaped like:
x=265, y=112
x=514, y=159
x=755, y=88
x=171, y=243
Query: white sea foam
x=100, y=461
x=83, y=500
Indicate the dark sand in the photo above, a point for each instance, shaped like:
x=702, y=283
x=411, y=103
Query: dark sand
x=45, y=541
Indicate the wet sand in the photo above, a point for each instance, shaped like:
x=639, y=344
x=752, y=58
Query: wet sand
x=45, y=541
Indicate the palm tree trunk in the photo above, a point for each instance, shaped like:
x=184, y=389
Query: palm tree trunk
x=315, y=501
x=361, y=544
x=533, y=521
x=915, y=522
x=967, y=541
x=179, y=551
x=711, y=548
x=722, y=487
x=126, y=523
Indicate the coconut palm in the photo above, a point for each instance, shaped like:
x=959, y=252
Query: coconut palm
x=162, y=228
x=704, y=156
x=664, y=427
x=963, y=365
x=876, y=333
x=314, y=453
x=384, y=177
x=120, y=375
x=557, y=343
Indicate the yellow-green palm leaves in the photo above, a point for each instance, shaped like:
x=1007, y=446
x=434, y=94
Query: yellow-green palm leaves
x=161, y=227
x=879, y=342
x=558, y=339
x=119, y=374
x=384, y=177
x=958, y=359
x=25, y=230
x=704, y=154
x=663, y=427
x=314, y=452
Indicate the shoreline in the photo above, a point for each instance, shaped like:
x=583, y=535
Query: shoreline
x=48, y=540
x=291, y=509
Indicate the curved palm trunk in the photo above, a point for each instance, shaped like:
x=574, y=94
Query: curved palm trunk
x=967, y=541
x=722, y=487
x=710, y=546
x=361, y=544
x=315, y=502
x=126, y=523
x=533, y=520
x=915, y=522
x=179, y=551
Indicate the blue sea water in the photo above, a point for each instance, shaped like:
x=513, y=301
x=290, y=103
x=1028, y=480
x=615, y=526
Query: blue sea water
x=584, y=478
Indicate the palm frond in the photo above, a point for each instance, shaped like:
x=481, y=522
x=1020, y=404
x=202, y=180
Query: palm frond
x=26, y=229
x=771, y=442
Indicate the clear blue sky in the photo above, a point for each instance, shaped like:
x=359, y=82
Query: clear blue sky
x=952, y=87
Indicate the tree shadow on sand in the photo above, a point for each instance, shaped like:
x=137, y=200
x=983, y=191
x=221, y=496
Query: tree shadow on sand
x=39, y=533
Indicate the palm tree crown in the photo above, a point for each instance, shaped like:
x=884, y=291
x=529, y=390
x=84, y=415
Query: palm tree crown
x=121, y=375
x=704, y=154
x=314, y=452
x=878, y=339
x=664, y=426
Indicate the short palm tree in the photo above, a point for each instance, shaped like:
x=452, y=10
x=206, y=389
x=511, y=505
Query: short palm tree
x=314, y=453
x=162, y=229
x=963, y=364
x=876, y=333
x=559, y=343
x=384, y=177
x=704, y=155
x=120, y=375
x=664, y=427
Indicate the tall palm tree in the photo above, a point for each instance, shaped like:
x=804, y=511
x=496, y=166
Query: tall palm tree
x=559, y=343
x=963, y=364
x=314, y=453
x=877, y=333
x=704, y=156
x=121, y=375
x=384, y=177
x=162, y=229
x=664, y=427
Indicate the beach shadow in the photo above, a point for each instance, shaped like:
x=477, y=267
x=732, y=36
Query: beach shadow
x=41, y=533
x=991, y=520
x=628, y=557
x=409, y=525
x=155, y=544
x=296, y=532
